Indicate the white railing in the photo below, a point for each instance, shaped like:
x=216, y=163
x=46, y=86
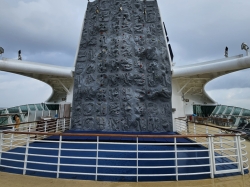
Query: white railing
x=226, y=144
x=51, y=125
x=220, y=150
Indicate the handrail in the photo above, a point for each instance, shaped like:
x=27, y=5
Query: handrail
x=10, y=125
x=119, y=135
x=212, y=147
x=221, y=128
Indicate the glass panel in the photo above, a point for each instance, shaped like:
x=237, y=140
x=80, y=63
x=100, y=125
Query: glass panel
x=3, y=111
x=228, y=110
x=24, y=108
x=45, y=106
x=3, y=121
x=39, y=107
x=32, y=107
x=222, y=108
x=53, y=106
x=246, y=112
x=215, y=110
x=13, y=110
x=237, y=111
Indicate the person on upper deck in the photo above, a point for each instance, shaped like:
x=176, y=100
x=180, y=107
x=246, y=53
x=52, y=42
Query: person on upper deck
x=17, y=119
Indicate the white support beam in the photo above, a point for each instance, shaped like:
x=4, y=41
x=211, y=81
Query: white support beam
x=64, y=87
x=185, y=85
x=188, y=91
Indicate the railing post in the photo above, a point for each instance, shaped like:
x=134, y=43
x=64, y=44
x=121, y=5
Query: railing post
x=206, y=129
x=1, y=146
x=45, y=126
x=239, y=153
x=137, y=156
x=57, y=125
x=176, y=159
x=187, y=126
x=63, y=124
x=59, y=157
x=211, y=155
x=12, y=137
x=70, y=124
x=28, y=116
x=194, y=131
x=26, y=154
x=29, y=127
x=221, y=144
x=97, y=153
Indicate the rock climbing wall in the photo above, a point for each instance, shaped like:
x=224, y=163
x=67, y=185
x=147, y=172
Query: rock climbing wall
x=122, y=76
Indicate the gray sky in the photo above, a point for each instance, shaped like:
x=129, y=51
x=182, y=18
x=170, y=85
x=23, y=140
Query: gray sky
x=48, y=31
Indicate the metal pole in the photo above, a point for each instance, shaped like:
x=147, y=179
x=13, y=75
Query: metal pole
x=28, y=113
x=70, y=123
x=194, y=131
x=137, y=162
x=97, y=149
x=12, y=137
x=26, y=154
x=239, y=153
x=63, y=124
x=211, y=155
x=187, y=126
x=57, y=125
x=176, y=159
x=1, y=146
x=221, y=144
x=45, y=126
x=59, y=157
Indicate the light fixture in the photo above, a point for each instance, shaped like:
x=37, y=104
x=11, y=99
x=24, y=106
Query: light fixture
x=226, y=52
x=1, y=50
x=19, y=55
x=245, y=47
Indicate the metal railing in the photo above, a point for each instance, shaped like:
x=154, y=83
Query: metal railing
x=227, y=143
x=177, y=156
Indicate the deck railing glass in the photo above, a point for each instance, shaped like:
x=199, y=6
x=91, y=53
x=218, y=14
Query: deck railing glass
x=27, y=113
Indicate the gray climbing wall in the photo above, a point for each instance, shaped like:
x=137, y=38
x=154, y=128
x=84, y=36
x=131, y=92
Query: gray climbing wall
x=122, y=77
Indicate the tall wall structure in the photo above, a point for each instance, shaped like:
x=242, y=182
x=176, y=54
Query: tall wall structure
x=122, y=77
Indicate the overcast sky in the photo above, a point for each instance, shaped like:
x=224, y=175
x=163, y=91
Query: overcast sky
x=47, y=31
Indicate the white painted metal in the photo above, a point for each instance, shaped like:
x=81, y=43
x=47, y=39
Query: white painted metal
x=59, y=157
x=17, y=66
x=97, y=157
x=227, y=64
x=176, y=159
x=1, y=145
x=137, y=160
x=211, y=155
x=26, y=154
x=210, y=142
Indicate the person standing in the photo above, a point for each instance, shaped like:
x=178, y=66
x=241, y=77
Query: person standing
x=17, y=119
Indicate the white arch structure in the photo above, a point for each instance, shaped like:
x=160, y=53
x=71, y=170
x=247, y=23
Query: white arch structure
x=188, y=81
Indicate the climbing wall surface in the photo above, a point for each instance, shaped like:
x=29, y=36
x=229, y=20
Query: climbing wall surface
x=122, y=77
